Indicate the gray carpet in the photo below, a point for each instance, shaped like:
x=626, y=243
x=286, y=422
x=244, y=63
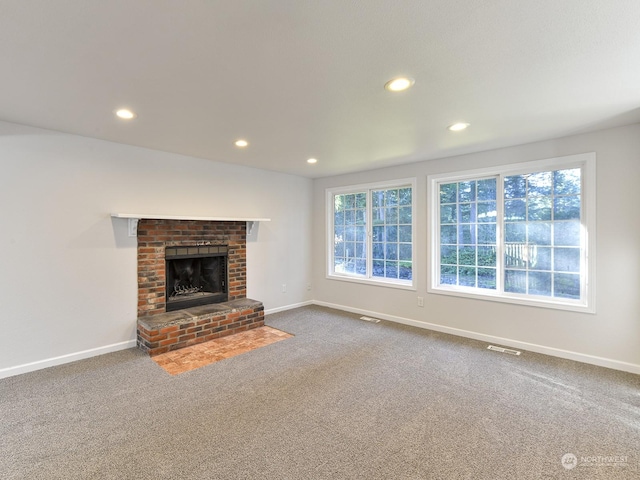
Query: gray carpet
x=344, y=398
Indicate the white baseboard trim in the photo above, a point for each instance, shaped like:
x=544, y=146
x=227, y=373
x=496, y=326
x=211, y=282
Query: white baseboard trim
x=71, y=357
x=507, y=342
x=288, y=307
x=554, y=352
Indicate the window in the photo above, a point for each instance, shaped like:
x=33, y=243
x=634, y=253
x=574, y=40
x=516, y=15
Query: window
x=519, y=234
x=371, y=233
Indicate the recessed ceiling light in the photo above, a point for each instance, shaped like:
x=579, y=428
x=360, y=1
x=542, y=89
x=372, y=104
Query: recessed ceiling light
x=241, y=143
x=125, y=114
x=312, y=160
x=456, y=127
x=399, y=84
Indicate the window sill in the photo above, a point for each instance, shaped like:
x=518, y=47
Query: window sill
x=401, y=284
x=505, y=298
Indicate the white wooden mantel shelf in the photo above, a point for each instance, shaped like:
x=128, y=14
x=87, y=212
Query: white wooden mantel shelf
x=135, y=217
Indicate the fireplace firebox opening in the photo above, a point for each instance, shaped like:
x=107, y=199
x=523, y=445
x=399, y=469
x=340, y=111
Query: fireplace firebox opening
x=195, y=276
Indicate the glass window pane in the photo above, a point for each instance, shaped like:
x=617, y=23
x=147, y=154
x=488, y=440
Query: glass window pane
x=566, y=233
x=466, y=191
x=350, y=217
x=448, y=193
x=377, y=216
x=360, y=250
x=515, y=210
x=404, y=215
x=467, y=234
x=338, y=249
x=515, y=281
x=539, y=184
x=338, y=218
x=378, y=268
x=540, y=258
x=487, y=278
x=361, y=200
x=566, y=182
x=487, y=256
x=487, y=189
x=467, y=213
x=566, y=285
x=448, y=234
x=566, y=208
x=361, y=233
x=350, y=249
x=467, y=255
x=404, y=233
x=405, y=252
x=487, y=212
x=515, y=232
x=378, y=234
x=539, y=283
x=361, y=266
x=539, y=233
x=405, y=271
x=448, y=275
x=448, y=214
x=391, y=215
x=360, y=217
x=515, y=186
x=516, y=255
x=391, y=233
x=566, y=260
x=349, y=201
x=377, y=198
x=405, y=195
x=467, y=276
x=390, y=269
x=487, y=233
x=378, y=251
x=391, y=251
x=539, y=209
x=350, y=234
x=349, y=266
x=391, y=197
x=449, y=255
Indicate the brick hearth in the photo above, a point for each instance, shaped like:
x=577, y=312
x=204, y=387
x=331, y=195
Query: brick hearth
x=160, y=331
x=173, y=330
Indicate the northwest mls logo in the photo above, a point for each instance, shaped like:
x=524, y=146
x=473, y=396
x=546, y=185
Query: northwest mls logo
x=569, y=461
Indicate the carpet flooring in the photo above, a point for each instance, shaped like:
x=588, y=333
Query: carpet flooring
x=341, y=399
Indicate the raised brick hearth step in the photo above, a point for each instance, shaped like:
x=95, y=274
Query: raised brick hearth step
x=163, y=332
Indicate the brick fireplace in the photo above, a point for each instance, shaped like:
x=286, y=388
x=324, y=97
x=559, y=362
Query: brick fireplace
x=160, y=331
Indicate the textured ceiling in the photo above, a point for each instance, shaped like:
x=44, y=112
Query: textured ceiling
x=304, y=78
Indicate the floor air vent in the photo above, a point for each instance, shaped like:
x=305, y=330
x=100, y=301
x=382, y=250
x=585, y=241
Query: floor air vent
x=503, y=350
x=369, y=319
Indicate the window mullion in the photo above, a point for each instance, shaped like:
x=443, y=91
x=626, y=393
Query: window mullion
x=500, y=220
x=369, y=229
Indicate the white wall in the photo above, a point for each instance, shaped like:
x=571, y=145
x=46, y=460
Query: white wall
x=611, y=337
x=68, y=281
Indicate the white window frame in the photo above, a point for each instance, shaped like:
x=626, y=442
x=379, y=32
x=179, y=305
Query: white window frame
x=389, y=282
x=586, y=304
